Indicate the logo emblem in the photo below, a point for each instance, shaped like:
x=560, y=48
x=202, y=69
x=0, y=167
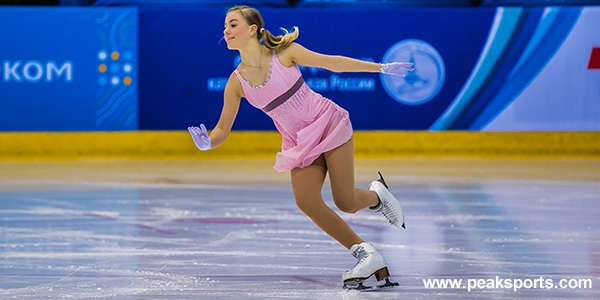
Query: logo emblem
x=110, y=69
x=420, y=85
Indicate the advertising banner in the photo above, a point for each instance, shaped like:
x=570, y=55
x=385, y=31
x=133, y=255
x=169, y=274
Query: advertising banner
x=498, y=69
x=184, y=83
x=68, y=69
x=555, y=83
x=491, y=69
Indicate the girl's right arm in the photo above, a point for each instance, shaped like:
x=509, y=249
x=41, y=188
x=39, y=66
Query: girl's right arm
x=231, y=104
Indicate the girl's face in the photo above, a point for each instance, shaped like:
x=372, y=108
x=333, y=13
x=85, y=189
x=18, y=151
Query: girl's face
x=237, y=32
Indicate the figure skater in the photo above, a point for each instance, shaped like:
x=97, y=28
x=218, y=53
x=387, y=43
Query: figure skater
x=316, y=132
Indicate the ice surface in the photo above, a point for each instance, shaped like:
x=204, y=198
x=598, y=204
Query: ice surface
x=192, y=230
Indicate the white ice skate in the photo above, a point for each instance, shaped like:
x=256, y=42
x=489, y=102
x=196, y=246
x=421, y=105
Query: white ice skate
x=389, y=206
x=370, y=263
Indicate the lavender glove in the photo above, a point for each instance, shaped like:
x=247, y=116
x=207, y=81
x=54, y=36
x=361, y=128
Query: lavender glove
x=396, y=68
x=200, y=137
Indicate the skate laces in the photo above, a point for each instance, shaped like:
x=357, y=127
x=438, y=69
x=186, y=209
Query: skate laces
x=385, y=207
x=389, y=212
x=361, y=254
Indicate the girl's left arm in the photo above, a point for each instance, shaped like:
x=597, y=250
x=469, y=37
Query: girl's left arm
x=335, y=63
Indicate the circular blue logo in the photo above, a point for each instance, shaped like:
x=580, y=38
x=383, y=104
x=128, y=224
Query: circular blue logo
x=420, y=85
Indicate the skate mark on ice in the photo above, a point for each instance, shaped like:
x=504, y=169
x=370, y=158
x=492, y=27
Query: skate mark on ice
x=225, y=221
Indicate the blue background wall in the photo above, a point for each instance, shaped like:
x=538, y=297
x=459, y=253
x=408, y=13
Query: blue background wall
x=180, y=94
x=68, y=69
x=476, y=68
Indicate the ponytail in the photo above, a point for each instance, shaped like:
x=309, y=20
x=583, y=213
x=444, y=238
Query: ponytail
x=281, y=41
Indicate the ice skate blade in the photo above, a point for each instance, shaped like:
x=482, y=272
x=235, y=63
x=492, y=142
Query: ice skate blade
x=382, y=180
x=355, y=286
x=359, y=286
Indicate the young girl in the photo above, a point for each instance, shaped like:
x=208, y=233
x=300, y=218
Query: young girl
x=317, y=134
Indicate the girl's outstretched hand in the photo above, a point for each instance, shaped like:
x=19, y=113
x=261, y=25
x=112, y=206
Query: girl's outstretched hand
x=396, y=68
x=200, y=137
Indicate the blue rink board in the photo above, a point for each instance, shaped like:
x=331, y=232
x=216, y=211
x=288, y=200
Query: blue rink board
x=68, y=69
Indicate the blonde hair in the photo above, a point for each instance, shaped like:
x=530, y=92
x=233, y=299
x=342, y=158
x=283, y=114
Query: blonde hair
x=253, y=17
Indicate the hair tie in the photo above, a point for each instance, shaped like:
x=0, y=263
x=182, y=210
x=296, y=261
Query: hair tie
x=262, y=29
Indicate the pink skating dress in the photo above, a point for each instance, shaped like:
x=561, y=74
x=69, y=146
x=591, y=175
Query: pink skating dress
x=309, y=123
